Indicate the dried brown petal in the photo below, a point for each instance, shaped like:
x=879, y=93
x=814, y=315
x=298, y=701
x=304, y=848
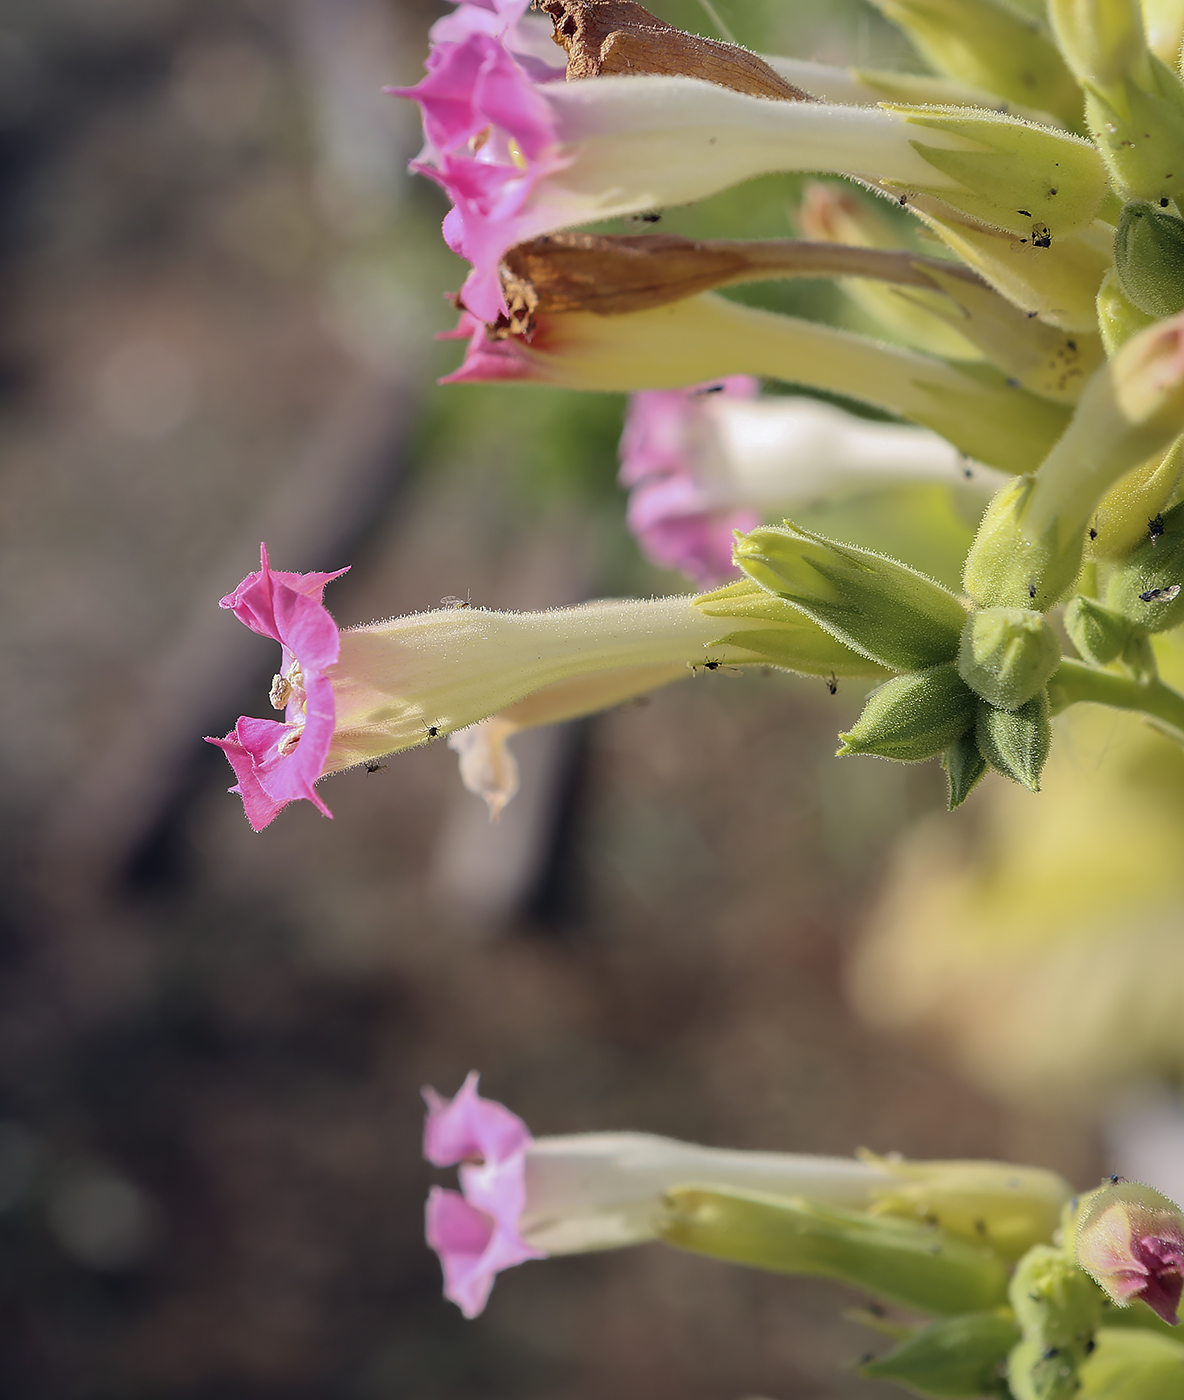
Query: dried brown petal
x=619, y=36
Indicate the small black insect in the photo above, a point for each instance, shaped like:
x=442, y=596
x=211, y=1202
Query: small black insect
x=904, y=199
x=1030, y=314
x=1155, y=528
x=1049, y=1353
x=832, y=683
x=709, y=389
x=1090, y=1346
x=376, y=767
x=1027, y=213
x=1093, y=534
x=1160, y=595
x=433, y=730
x=650, y=218
x=1115, y=1179
x=1041, y=236
x=1163, y=203
x=1031, y=590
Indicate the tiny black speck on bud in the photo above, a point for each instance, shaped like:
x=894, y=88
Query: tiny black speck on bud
x=1155, y=528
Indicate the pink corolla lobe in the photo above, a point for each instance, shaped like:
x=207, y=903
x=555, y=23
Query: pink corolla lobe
x=490, y=138
x=671, y=512
x=276, y=763
x=475, y=1230
x=488, y=358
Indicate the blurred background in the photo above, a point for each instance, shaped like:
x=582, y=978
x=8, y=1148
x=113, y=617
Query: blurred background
x=219, y=291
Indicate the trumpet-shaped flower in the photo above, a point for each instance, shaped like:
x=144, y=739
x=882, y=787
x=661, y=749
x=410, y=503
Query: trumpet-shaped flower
x=354, y=696
x=533, y=1197
x=277, y=762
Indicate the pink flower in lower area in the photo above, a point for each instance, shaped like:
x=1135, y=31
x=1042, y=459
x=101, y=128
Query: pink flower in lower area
x=276, y=763
x=490, y=139
x=475, y=1230
x=668, y=435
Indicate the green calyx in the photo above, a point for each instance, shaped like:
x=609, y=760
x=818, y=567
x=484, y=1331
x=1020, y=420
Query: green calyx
x=912, y=1264
x=875, y=605
x=1149, y=258
x=913, y=717
x=1007, y=655
x=964, y=766
x=1016, y=743
x=959, y=1357
x=1104, y=636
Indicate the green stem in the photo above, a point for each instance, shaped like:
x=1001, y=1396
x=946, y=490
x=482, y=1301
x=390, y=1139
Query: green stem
x=1075, y=683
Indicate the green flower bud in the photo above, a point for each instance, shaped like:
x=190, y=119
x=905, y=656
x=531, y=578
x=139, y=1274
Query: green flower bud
x=989, y=46
x=1120, y=521
x=963, y=1356
x=1149, y=258
x=1058, y=1308
x=1032, y=536
x=964, y=767
x=1007, y=655
x=1100, y=634
x=913, y=717
x=1133, y=1365
x=1118, y=316
x=1016, y=743
x=880, y=608
x=915, y=1265
x=1006, y=568
x=1147, y=587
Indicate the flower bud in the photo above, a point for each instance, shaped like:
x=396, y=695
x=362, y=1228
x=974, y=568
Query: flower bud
x=1100, y=634
x=912, y=1264
x=1130, y=1239
x=1120, y=522
x=1006, y=567
x=879, y=607
x=1058, y=1310
x=1118, y=316
x=1032, y=536
x=1146, y=588
x=1007, y=655
x=964, y=767
x=960, y=1356
x=989, y=46
x=1133, y=1365
x=1016, y=743
x=913, y=717
x=1149, y=258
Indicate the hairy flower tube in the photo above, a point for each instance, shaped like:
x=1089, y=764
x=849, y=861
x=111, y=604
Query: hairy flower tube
x=527, y=1198
x=708, y=337
x=357, y=695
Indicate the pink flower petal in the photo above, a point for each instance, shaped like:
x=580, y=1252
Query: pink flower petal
x=488, y=360
x=468, y=1126
x=490, y=138
x=473, y=1249
x=278, y=763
